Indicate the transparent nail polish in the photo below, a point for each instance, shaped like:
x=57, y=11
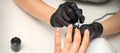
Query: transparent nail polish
x=15, y=44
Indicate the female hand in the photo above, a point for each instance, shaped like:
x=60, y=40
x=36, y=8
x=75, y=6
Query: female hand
x=77, y=46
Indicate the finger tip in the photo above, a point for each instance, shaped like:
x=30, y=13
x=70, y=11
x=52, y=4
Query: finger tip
x=87, y=31
x=70, y=25
x=77, y=30
x=57, y=29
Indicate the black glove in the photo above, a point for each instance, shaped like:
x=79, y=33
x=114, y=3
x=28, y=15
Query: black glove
x=67, y=13
x=95, y=29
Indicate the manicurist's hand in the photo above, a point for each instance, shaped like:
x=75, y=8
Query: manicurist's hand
x=67, y=13
x=77, y=46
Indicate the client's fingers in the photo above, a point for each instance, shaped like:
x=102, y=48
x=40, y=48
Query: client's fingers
x=57, y=41
x=76, y=42
x=68, y=39
x=85, y=42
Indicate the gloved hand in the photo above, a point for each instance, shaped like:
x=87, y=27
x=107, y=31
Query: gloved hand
x=95, y=29
x=93, y=1
x=67, y=13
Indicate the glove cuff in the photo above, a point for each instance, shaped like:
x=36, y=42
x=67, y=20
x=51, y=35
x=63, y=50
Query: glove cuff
x=53, y=21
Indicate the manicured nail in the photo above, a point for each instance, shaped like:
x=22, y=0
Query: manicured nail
x=70, y=26
x=58, y=29
x=86, y=31
x=76, y=29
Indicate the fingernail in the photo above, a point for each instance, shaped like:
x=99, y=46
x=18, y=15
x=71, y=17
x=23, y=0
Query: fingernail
x=58, y=29
x=86, y=31
x=76, y=29
x=70, y=26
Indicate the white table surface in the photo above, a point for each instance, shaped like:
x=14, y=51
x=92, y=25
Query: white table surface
x=36, y=36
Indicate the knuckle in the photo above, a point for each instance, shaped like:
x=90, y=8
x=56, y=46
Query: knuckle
x=70, y=10
x=57, y=43
x=85, y=43
x=68, y=40
x=77, y=40
x=69, y=33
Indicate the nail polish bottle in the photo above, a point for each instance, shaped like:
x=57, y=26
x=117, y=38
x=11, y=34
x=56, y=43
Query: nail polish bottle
x=15, y=44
